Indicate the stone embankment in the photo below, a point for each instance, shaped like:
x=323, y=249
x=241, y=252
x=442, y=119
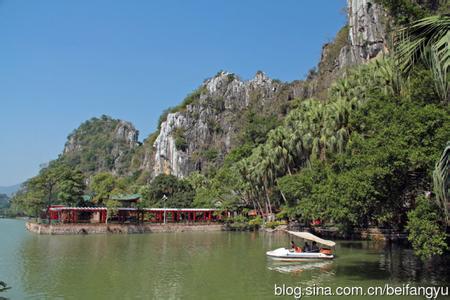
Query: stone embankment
x=117, y=228
x=373, y=233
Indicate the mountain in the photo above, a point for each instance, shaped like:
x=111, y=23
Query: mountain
x=217, y=117
x=101, y=144
x=9, y=190
x=223, y=113
x=226, y=112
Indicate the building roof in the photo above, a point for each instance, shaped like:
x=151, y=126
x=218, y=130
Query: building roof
x=132, y=208
x=126, y=197
x=87, y=198
x=76, y=208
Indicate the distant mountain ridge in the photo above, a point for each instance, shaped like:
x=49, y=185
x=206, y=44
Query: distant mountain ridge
x=9, y=190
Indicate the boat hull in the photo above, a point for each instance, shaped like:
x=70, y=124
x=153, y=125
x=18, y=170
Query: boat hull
x=283, y=254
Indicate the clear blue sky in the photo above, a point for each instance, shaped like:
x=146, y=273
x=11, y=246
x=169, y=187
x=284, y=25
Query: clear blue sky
x=63, y=62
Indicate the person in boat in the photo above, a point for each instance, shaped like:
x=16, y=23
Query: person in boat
x=314, y=247
x=306, y=248
x=293, y=245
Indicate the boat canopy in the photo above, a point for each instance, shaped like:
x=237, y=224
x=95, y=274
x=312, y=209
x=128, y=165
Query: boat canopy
x=312, y=237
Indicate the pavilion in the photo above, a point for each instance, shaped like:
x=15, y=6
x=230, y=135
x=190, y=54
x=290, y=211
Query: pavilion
x=69, y=214
x=129, y=212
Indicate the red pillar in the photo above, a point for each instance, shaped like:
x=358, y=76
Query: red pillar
x=209, y=216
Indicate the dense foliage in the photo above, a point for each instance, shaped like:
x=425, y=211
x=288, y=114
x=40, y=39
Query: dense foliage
x=177, y=192
x=426, y=231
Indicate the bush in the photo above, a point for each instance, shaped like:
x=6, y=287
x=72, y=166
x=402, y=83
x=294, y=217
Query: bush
x=239, y=219
x=256, y=222
x=181, y=143
x=274, y=224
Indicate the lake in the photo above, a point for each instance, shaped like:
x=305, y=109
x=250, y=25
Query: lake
x=194, y=265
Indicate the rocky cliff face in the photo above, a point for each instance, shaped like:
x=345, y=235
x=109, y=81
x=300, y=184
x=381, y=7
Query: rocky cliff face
x=205, y=130
x=101, y=144
x=367, y=32
x=363, y=38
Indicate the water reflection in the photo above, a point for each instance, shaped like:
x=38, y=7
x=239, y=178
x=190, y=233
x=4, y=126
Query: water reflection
x=299, y=267
x=218, y=265
x=379, y=261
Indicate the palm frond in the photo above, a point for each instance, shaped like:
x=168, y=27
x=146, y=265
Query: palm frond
x=414, y=41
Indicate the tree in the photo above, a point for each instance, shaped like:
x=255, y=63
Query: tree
x=426, y=234
x=112, y=210
x=57, y=183
x=178, y=191
x=102, y=185
x=71, y=187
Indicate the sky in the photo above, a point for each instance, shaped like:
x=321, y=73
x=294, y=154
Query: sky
x=63, y=62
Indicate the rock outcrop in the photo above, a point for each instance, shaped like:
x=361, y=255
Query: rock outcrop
x=206, y=129
x=363, y=38
x=367, y=32
x=125, y=132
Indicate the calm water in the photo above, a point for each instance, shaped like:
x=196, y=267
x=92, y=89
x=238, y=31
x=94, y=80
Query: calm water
x=217, y=265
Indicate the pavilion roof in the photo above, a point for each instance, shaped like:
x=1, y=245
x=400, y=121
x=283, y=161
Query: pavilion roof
x=126, y=197
x=87, y=198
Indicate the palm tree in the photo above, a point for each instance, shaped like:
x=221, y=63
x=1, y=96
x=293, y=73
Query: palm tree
x=427, y=41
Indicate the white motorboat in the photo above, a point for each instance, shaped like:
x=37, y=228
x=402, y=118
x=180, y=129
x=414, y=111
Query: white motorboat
x=297, y=253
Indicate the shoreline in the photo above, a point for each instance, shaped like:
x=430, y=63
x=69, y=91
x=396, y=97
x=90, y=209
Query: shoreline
x=374, y=234
x=73, y=229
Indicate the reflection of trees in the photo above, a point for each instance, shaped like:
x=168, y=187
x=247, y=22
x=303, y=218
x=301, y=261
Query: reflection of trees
x=401, y=263
x=364, y=260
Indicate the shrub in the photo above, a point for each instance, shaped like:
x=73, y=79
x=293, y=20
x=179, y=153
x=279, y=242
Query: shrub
x=274, y=224
x=180, y=139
